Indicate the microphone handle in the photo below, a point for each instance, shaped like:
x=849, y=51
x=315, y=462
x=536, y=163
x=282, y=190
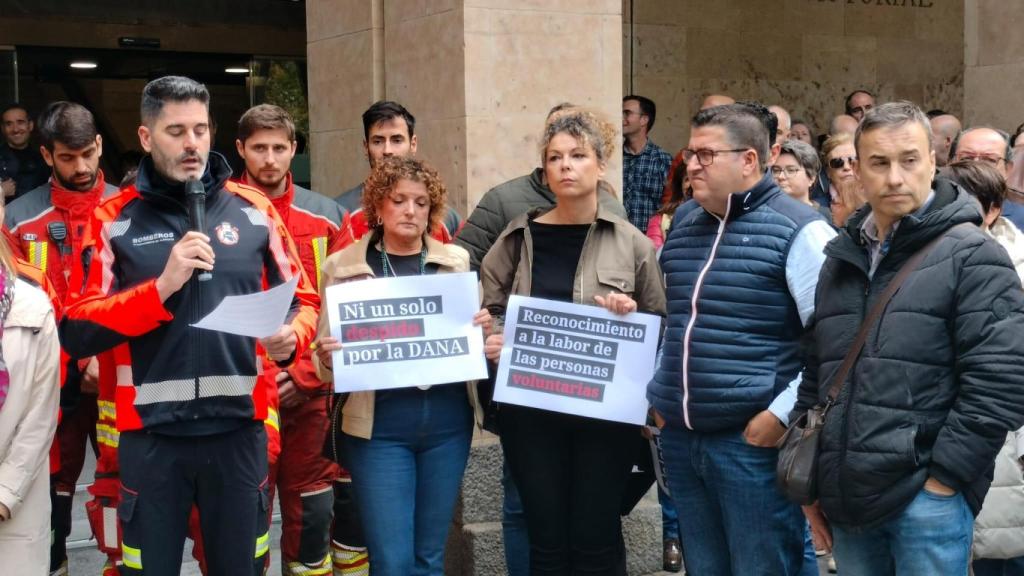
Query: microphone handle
x=197, y=222
x=197, y=213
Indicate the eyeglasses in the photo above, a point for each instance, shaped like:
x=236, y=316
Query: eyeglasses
x=839, y=162
x=789, y=171
x=706, y=156
x=968, y=157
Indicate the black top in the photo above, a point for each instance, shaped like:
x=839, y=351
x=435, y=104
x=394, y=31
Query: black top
x=556, y=256
x=398, y=265
x=25, y=166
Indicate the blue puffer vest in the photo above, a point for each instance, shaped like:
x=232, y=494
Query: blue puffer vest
x=732, y=341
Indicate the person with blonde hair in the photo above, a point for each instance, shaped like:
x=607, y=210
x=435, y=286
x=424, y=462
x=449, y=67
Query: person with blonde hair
x=571, y=471
x=29, y=392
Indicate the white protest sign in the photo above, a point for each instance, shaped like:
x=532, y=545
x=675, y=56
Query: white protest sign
x=406, y=331
x=577, y=359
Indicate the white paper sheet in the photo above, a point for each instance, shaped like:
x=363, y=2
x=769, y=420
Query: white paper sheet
x=257, y=315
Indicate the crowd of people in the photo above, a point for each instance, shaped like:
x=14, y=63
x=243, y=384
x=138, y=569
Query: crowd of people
x=760, y=246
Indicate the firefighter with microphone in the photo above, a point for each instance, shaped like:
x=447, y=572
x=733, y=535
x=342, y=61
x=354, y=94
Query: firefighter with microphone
x=190, y=404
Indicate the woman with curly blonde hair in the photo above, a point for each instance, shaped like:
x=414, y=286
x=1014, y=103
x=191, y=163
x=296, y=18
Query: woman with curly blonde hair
x=405, y=448
x=571, y=471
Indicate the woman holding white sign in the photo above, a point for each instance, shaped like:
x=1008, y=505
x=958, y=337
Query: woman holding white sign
x=406, y=448
x=571, y=471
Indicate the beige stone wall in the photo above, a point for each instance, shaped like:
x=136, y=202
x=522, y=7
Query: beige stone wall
x=524, y=57
x=803, y=54
x=424, y=68
x=994, y=63
x=479, y=75
x=345, y=59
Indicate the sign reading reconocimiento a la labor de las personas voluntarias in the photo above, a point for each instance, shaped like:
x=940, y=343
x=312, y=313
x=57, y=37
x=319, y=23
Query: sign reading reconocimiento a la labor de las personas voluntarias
x=577, y=359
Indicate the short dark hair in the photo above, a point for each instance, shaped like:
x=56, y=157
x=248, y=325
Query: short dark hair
x=382, y=110
x=747, y=125
x=1017, y=132
x=265, y=117
x=846, y=103
x=647, y=108
x=16, y=106
x=893, y=115
x=771, y=121
x=982, y=180
x=805, y=155
x=935, y=113
x=170, y=89
x=68, y=123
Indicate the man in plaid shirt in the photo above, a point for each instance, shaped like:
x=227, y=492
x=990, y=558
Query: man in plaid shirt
x=644, y=164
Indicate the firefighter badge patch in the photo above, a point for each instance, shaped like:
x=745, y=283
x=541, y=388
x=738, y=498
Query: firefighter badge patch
x=227, y=234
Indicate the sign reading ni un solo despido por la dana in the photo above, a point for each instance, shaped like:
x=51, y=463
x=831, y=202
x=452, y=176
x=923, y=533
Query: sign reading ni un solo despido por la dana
x=577, y=359
x=404, y=332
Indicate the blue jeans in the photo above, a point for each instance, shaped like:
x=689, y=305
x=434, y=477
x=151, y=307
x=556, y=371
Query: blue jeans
x=669, y=517
x=931, y=536
x=810, y=567
x=406, y=478
x=737, y=523
x=513, y=527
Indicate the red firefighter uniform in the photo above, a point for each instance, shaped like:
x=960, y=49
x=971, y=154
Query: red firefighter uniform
x=134, y=232
x=48, y=224
x=303, y=477
x=295, y=435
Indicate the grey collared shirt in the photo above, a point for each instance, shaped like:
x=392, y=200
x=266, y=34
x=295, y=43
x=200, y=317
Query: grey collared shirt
x=877, y=247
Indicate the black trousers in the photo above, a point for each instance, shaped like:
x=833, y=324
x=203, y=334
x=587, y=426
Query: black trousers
x=571, y=473
x=225, y=475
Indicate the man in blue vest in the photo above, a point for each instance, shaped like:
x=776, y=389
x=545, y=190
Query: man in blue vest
x=741, y=266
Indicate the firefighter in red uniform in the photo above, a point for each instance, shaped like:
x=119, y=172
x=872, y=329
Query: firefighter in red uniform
x=304, y=477
x=48, y=224
x=190, y=405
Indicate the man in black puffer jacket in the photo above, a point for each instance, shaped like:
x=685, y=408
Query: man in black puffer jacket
x=907, y=450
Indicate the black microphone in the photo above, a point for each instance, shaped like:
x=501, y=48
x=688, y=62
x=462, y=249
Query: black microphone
x=195, y=195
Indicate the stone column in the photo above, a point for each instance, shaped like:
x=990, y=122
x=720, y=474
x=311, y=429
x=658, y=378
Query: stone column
x=479, y=75
x=994, y=63
x=345, y=60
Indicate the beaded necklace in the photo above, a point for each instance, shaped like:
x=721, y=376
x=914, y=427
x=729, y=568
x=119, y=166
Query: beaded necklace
x=389, y=270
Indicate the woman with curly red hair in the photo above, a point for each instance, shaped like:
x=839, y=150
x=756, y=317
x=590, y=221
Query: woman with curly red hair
x=405, y=448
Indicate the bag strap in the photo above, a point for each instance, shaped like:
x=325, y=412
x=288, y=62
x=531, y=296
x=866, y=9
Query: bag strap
x=839, y=380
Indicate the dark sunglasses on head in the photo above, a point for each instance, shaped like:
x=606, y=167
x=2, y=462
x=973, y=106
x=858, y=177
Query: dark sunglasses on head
x=837, y=163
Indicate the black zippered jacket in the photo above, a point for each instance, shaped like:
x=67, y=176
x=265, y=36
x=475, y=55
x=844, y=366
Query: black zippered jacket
x=940, y=380
x=182, y=379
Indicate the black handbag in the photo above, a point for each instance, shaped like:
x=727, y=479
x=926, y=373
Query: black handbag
x=796, y=472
